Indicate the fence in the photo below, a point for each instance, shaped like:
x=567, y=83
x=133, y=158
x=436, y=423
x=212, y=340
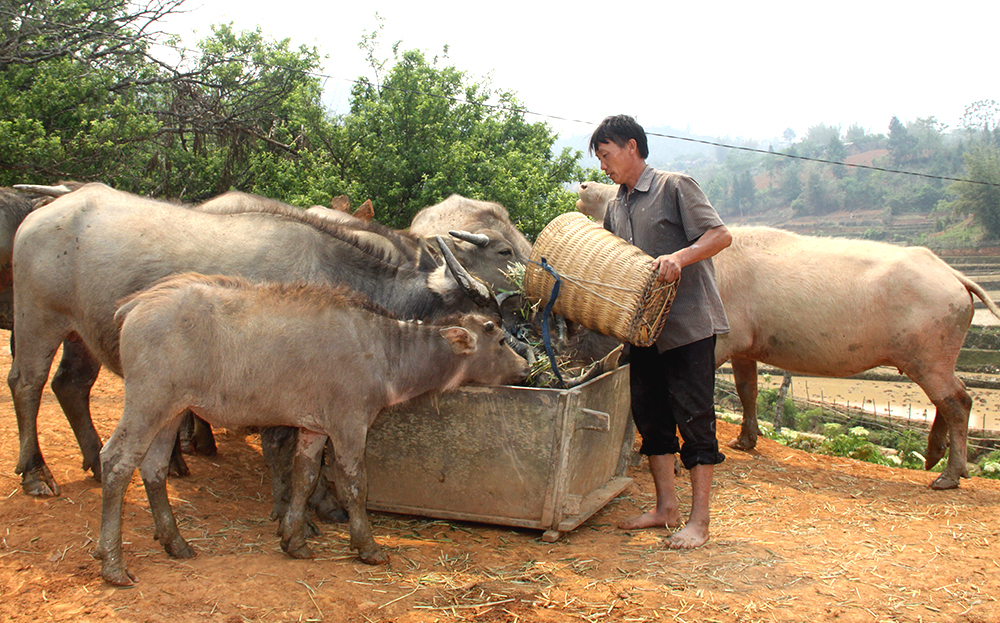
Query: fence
x=981, y=440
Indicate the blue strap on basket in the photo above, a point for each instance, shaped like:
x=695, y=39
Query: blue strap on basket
x=546, y=312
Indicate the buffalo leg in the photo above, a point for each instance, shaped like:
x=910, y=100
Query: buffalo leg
x=950, y=429
x=195, y=435
x=954, y=410
x=324, y=501
x=745, y=379
x=120, y=456
x=28, y=372
x=71, y=384
x=154, y=478
x=306, y=466
x=278, y=446
x=352, y=488
x=204, y=440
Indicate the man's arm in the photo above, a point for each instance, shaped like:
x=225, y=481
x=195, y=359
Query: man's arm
x=710, y=243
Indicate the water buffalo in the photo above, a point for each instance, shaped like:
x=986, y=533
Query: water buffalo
x=397, y=247
x=85, y=251
x=14, y=206
x=340, y=210
x=837, y=307
x=593, y=198
x=267, y=355
x=481, y=225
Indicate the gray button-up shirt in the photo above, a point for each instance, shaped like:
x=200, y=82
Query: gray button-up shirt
x=665, y=213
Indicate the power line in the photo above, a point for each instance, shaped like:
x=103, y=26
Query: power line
x=503, y=108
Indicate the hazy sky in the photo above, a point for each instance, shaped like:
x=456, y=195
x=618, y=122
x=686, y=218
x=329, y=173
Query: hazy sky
x=722, y=68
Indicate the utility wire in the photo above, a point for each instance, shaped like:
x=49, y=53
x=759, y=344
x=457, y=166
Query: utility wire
x=503, y=108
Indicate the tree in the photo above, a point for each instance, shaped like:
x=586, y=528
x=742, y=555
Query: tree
x=234, y=117
x=982, y=200
x=74, y=80
x=428, y=131
x=901, y=144
x=837, y=152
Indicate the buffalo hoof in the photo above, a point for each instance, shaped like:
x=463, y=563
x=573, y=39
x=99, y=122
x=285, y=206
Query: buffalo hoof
x=374, y=557
x=944, y=481
x=309, y=528
x=114, y=571
x=178, y=548
x=39, y=483
x=743, y=443
x=296, y=548
x=94, y=467
x=118, y=576
x=330, y=512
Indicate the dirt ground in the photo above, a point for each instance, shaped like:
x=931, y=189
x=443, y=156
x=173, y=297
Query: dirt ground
x=795, y=537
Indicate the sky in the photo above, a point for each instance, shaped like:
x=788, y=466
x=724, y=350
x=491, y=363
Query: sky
x=716, y=68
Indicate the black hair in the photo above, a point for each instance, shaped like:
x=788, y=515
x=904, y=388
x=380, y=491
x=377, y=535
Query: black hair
x=618, y=129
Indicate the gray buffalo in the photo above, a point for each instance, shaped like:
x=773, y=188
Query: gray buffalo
x=275, y=354
x=481, y=225
x=837, y=307
x=14, y=206
x=75, y=259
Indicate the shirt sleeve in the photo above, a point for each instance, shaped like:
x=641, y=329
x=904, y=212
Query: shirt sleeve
x=697, y=212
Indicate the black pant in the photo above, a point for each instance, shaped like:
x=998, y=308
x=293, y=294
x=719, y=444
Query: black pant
x=675, y=391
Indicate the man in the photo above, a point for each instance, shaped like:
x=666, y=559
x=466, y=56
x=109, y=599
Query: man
x=673, y=382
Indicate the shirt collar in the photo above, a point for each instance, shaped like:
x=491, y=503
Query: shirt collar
x=643, y=184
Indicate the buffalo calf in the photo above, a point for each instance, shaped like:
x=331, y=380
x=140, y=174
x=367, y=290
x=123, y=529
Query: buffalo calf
x=309, y=356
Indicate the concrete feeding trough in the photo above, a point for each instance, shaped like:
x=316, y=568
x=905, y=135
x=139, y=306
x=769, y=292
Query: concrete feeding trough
x=546, y=459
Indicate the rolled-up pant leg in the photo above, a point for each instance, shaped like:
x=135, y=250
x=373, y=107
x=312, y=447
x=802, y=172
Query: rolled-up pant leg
x=674, y=392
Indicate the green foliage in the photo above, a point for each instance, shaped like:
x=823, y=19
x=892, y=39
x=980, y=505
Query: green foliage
x=982, y=164
x=70, y=106
x=766, y=400
x=989, y=465
x=429, y=131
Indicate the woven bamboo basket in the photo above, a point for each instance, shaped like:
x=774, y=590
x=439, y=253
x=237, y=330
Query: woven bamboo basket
x=607, y=284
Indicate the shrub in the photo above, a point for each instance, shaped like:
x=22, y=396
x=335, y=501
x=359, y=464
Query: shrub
x=989, y=465
x=811, y=420
x=832, y=429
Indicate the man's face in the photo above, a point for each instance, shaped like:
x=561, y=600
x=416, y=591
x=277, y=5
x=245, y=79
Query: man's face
x=618, y=163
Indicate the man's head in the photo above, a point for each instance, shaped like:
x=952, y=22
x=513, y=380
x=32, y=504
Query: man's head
x=620, y=144
x=618, y=129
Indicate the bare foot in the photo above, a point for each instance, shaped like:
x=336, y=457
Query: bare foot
x=652, y=519
x=692, y=536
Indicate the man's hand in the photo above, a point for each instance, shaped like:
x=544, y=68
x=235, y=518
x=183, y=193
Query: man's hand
x=667, y=267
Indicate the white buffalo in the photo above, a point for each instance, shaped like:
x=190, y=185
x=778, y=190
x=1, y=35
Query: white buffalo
x=837, y=307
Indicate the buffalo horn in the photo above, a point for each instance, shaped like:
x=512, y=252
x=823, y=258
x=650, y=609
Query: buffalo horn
x=474, y=288
x=480, y=240
x=49, y=191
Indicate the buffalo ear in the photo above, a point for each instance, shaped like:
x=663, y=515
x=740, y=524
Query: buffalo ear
x=366, y=212
x=462, y=342
x=341, y=203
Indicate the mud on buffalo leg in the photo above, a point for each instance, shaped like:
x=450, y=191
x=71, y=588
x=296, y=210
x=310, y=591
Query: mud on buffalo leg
x=278, y=446
x=950, y=429
x=71, y=384
x=154, y=478
x=745, y=379
x=954, y=410
x=120, y=456
x=351, y=479
x=306, y=466
x=28, y=372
